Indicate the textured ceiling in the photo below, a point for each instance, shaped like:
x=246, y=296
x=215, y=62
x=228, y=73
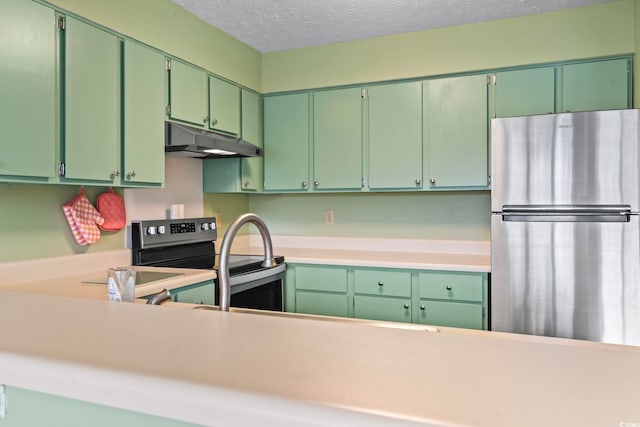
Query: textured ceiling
x=272, y=25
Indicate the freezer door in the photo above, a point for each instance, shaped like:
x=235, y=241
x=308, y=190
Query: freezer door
x=588, y=158
x=566, y=279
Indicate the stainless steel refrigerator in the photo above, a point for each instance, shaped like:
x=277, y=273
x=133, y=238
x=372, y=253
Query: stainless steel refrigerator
x=565, y=240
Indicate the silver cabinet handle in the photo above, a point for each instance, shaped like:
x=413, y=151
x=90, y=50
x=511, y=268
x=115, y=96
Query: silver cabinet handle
x=381, y=283
x=115, y=173
x=304, y=184
x=205, y=119
x=406, y=306
x=432, y=181
x=422, y=307
x=449, y=287
x=246, y=184
x=214, y=122
x=418, y=181
x=316, y=183
x=131, y=174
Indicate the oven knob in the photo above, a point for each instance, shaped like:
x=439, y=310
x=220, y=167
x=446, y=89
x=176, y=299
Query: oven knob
x=161, y=229
x=212, y=225
x=204, y=226
x=151, y=230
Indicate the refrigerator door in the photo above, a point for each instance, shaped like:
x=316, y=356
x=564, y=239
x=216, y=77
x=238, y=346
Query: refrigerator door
x=586, y=158
x=566, y=279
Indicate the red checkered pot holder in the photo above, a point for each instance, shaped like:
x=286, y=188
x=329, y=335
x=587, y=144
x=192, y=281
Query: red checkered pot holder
x=83, y=219
x=111, y=207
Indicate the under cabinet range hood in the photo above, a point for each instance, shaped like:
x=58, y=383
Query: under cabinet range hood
x=190, y=141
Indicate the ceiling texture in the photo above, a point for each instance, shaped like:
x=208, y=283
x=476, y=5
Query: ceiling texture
x=274, y=25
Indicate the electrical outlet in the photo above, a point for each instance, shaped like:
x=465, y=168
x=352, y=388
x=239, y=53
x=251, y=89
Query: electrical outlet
x=328, y=216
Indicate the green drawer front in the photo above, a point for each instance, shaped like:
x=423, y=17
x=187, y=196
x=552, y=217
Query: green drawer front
x=322, y=303
x=451, y=286
x=195, y=294
x=387, y=283
x=453, y=314
x=321, y=279
x=380, y=308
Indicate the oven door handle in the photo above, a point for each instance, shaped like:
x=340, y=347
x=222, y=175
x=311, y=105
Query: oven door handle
x=257, y=275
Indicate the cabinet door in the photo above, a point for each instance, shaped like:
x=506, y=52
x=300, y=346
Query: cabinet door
x=453, y=314
x=92, y=103
x=286, y=142
x=395, y=136
x=322, y=303
x=28, y=87
x=382, y=308
x=252, y=172
x=602, y=85
x=143, y=114
x=199, y=293
x=455, y=121
x=337, y=139
x=188, y=94
x=524, y=92
x=224, y=106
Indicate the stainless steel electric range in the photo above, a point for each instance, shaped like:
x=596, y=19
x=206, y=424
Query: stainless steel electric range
x=189, y=243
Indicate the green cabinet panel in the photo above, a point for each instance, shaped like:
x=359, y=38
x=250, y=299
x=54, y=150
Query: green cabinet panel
x=337, y=139
x=322, y=303
x=198, y=293
x=455, y=128
x=188, y=94
x=286, y=142
x=453, y=314
x=27, y=408
x=143, y=124
x=395, y=136
x=92, y=103
x=28, y=88
x=383, y=282
x=451, y=286
x=601, y=85
x=237, y=175
x=329, y=279
x=524, y=92
x=382, y=308
x=252, y=169
x=224, y=106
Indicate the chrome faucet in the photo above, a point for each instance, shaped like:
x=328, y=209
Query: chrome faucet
x=269, y=261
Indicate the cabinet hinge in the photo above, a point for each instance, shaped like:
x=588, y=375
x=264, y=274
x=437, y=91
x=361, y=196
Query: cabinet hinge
x=167, y=64
x=61, y=23
x=167, y=110
x=363, y=182
x=363, y=92
x=61, y=169
x=488, y=79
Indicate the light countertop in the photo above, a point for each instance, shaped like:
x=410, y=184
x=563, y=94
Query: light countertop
x=239, y=369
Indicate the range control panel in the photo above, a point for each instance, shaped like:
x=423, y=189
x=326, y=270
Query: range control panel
x=169, y=232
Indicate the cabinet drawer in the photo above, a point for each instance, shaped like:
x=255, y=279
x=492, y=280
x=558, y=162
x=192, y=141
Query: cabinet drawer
x=387, y=283
x=453, y=314
x=382, y=308
x=451, y=286
x=322, y=303
x=327, y=279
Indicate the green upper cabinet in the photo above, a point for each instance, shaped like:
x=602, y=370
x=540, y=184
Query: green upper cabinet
x=143, y=124
x=524, y=92
x=252, y=170
x=337, y=139
x=395, y=136
x=237, y=175
x=600, y=85
x=28, y=88
x=188, y=94
x=91, y=103
x=455, y=129
x=224, y=106
x=286, y=142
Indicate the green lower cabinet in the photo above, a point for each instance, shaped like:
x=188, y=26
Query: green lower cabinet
x=199, y=293
x=382, y=308
x=322, y=303
x=453, y=314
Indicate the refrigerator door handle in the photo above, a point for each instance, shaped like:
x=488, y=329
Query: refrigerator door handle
x=576, y=213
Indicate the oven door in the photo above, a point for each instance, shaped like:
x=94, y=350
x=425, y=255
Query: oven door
x=261, y=290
